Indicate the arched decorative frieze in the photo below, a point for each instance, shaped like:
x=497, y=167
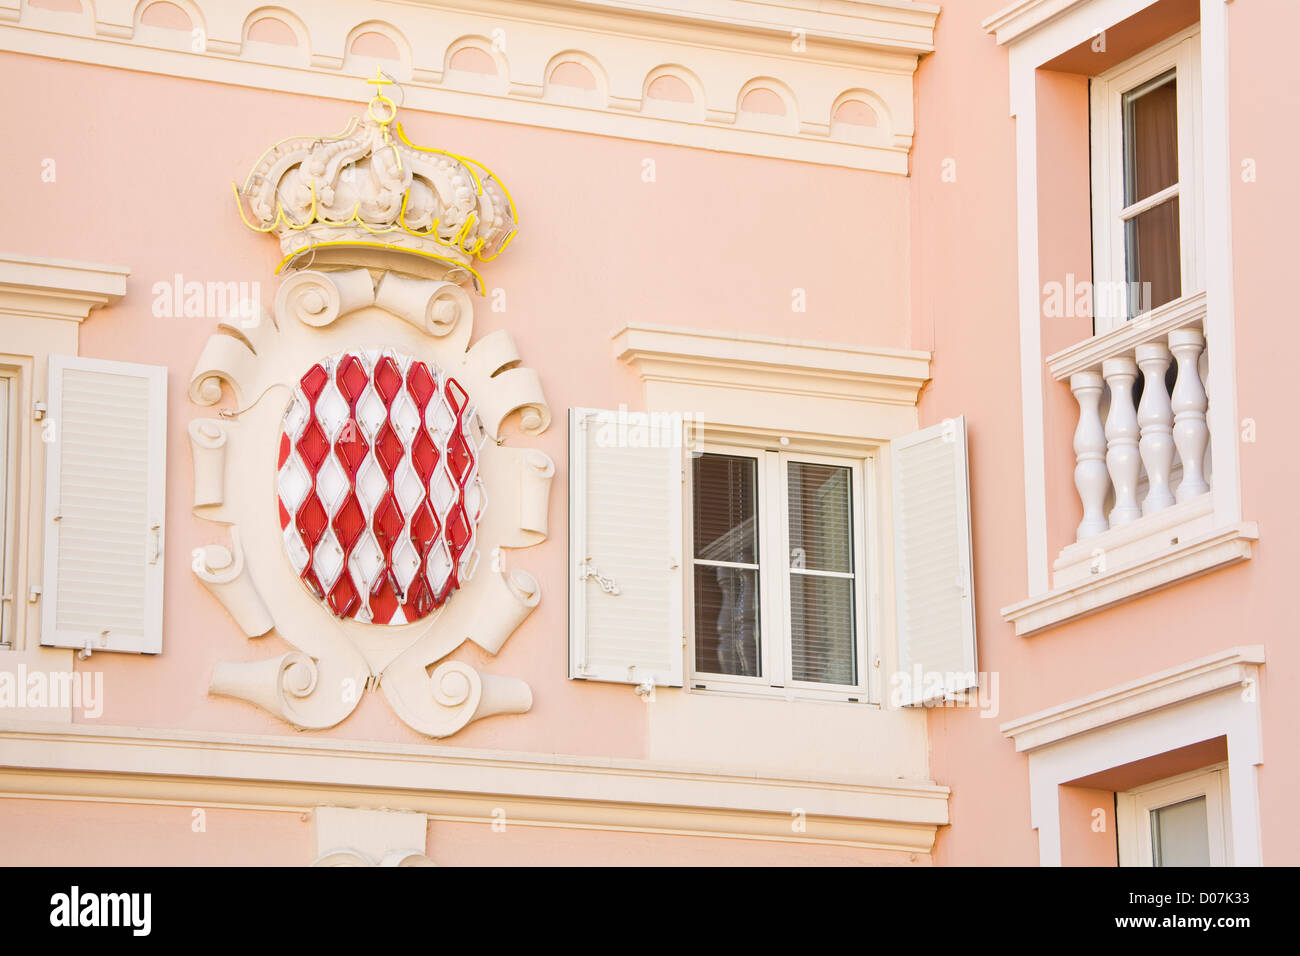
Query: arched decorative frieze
x=181, y=15
x=672, y=91
x=576, y=78
x=58, y=6
x=840, y=50
x=76, y=17
x=171, y=24
x=764, y=102
x=476, y=63
x=860, y=115
x=276, y=35
x=377, y=43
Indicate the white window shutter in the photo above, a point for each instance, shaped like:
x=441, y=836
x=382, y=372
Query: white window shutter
x=105, y=441
x=625, y=548
x=932, y=563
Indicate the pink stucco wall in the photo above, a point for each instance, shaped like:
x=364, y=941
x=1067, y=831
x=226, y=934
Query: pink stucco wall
x=718, y=241
x=964, y=297
x=82, y=833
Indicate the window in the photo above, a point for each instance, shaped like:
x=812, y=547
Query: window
x=1183, y=821
x=777, y=553
x=788, y=538
x=1146, y=143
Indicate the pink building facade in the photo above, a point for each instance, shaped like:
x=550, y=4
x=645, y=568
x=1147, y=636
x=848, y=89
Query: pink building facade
x=590, y=433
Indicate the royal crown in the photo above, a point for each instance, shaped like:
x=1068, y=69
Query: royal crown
x=352, y=198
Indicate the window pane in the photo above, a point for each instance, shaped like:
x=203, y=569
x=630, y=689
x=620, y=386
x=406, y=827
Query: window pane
x=726, y=525
x=821, y=517
x=726, y=621
x=1155, y=272
x=1150, y=138
x=821, y=629
x=1180, y=834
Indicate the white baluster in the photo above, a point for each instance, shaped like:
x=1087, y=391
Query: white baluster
x=1122, y=458
x=1189, y=403
x=1090, y=476
x=1157, y=420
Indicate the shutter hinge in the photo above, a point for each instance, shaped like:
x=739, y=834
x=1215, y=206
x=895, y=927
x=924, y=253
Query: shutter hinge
x=607, y=583
x=33, y=594
x=38, y=411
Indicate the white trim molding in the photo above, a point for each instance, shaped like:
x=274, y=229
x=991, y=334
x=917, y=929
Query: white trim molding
x=1213, y=696
x=817, y=369
x=138, y=765
x=1188, y=558
x=825, y=388
x=1234, y=667
x=57, y=288
x=1014, y=21
x=811, y=59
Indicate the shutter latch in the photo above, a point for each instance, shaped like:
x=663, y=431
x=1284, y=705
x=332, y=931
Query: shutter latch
x=607, y=584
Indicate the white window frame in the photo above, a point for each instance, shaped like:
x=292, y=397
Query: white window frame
x=9, y=478
x=1181, y=53
x=1032, y=44
x=1134, y=810
x=772, y=490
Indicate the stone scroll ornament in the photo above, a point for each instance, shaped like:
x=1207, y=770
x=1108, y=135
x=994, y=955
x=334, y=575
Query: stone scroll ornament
x=360, y=465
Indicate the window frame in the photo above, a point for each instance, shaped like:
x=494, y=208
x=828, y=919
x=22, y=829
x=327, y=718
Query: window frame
x=1110, y=213
x=10, y=389
x=775, y=650
x=1136, y=807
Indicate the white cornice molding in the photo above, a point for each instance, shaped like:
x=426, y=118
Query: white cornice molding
x=722, y=45
x=784, y=366
x=57, y=288
x=1235, y=667
x=451, y=783
x=1176, y=563
x=1024, y=16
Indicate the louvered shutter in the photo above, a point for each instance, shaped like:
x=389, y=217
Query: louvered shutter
x=104, y=469
x=932, y=563
x=625, y=548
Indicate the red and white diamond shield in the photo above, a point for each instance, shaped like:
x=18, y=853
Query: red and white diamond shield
x=378, y=483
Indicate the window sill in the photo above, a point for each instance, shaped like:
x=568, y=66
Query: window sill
x=1188, y=311
x=1189, y=558
x=715, y=688
x=1128, y=544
